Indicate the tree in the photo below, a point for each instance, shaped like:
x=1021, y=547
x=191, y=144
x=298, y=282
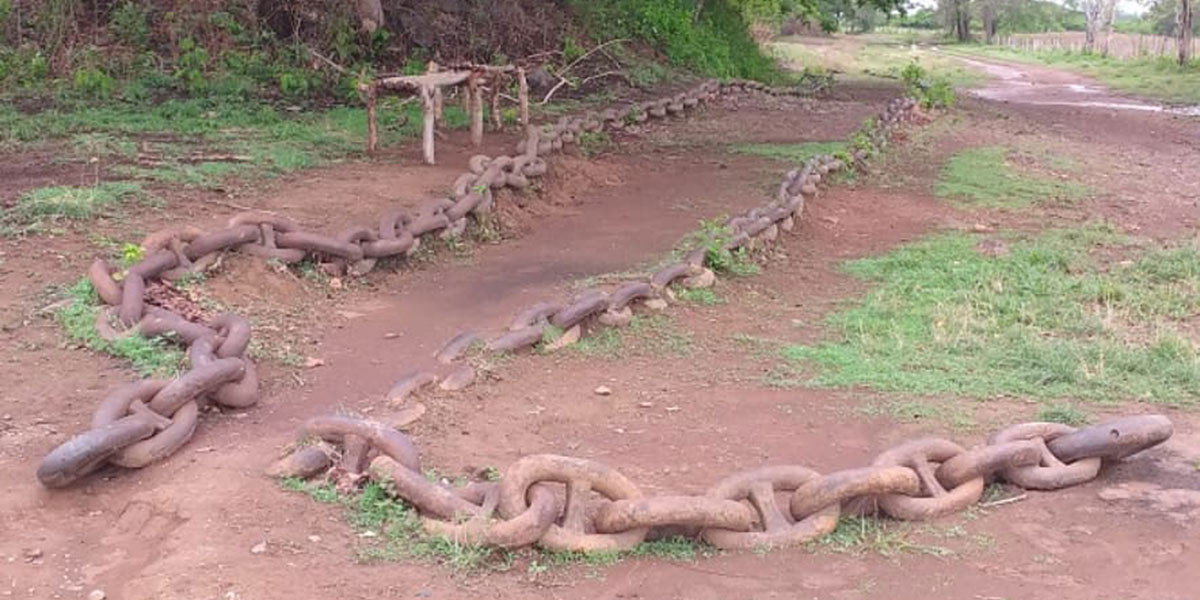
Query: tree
x=1098, y=16
x=1185, y=32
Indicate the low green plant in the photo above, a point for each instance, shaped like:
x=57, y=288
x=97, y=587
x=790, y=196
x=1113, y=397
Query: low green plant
x=792, y=153
x=40, y=206
x=594, y=143
x=985, y=177
x=930, y=92
x=701, y=296
x=156, y=356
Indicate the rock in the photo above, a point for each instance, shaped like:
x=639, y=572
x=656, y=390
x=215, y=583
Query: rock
x=656, y=304
x=645, y=404
x=568, y=337
x=458, y=379
x=705, y=279
x=982, y=228
x=313, y=362
x=97, y=595
x=787, y=224
x=259, y=548
x=407, y=416
x=602, y=390
x=616, y=318
x=314, y=539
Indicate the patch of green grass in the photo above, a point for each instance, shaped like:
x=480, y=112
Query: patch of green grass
x=985, y=177
x=41, y=207
x=658, y=334
x=594, y=143
x=155, y=356
x=1051, y=319
x=701, y=296
x=1065, y=413
x=608, y=342
x=791, y=153
x=390, y=530
x=867, y=535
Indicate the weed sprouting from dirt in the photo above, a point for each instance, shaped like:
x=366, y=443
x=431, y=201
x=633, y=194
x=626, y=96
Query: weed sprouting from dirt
x=155, y=356
x=1051, y=318
x=701, y=296
x=594, y=143
x=713, y=236
x=985, y=177
x=867, y=535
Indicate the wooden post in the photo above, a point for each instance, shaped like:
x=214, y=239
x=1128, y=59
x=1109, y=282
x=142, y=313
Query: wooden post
x=427, y=92
x=523, y=95
x=476, y=109
x=372, y=124
x=497, y=122
x=437, y=96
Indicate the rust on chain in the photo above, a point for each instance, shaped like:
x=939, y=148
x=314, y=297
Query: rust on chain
x=778, y=530
x=1112, y=440
x=587, y=305
x=922, y=456
x=132, y=300
x=430, y=498
x=196, y=384
x=456, y=347
x=522, y=530
x=985, y=461
x=158, y=321
x=686, y=511
x=628, y=293
x=388, y=441
x=153, y=265
x=314, y=242
x=410, y=383
x=1050, y=473
x=85, y=452
x=582, y=477
x=304, y=462
x=534, y=315
x=236, y=333
x=667, y=275
x=100, y=274
x=842, y=486
x=161, y=444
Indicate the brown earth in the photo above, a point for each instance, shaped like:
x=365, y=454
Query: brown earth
x=689, y=405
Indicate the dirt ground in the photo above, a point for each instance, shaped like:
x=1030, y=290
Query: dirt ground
x=688, y=407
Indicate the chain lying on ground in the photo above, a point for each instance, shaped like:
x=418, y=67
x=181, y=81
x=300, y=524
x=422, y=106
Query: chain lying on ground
x=149, y=420
x=574, y=504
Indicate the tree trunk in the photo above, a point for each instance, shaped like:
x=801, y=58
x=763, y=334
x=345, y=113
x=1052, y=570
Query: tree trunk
x=1107, y=18
x=1185, y=32
x=989, y=23
x=696, y=10
x=1091, y=16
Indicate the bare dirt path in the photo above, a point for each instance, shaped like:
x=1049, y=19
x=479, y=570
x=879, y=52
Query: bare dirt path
x=689, y=405
x=1024, y=83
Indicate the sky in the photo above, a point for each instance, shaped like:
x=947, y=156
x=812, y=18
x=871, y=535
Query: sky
x=1129, y=7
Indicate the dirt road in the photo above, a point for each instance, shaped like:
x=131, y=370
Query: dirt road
x=688, y=406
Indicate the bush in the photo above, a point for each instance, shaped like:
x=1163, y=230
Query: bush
x=936, y=93
x=130, y=24
x=719, y=45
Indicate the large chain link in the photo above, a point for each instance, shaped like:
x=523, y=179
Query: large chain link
x=148, y=426
x=574, y=504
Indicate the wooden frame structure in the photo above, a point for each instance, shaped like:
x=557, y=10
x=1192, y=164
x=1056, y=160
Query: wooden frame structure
x=429, y=86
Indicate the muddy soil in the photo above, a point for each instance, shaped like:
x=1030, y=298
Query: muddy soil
x=689, y=404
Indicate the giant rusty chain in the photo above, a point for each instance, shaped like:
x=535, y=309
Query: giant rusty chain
x=149, y=420
x=575, y=504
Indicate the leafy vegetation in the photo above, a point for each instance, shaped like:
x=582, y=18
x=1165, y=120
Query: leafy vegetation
x=719, y=44
x=155, y=356
x=930, y=92
x=1049, y=319
x=985, y=177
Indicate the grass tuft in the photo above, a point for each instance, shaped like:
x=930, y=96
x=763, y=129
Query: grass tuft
x=155, y=356
x=1050, y=320
x=791, y=153
x=985, y=177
